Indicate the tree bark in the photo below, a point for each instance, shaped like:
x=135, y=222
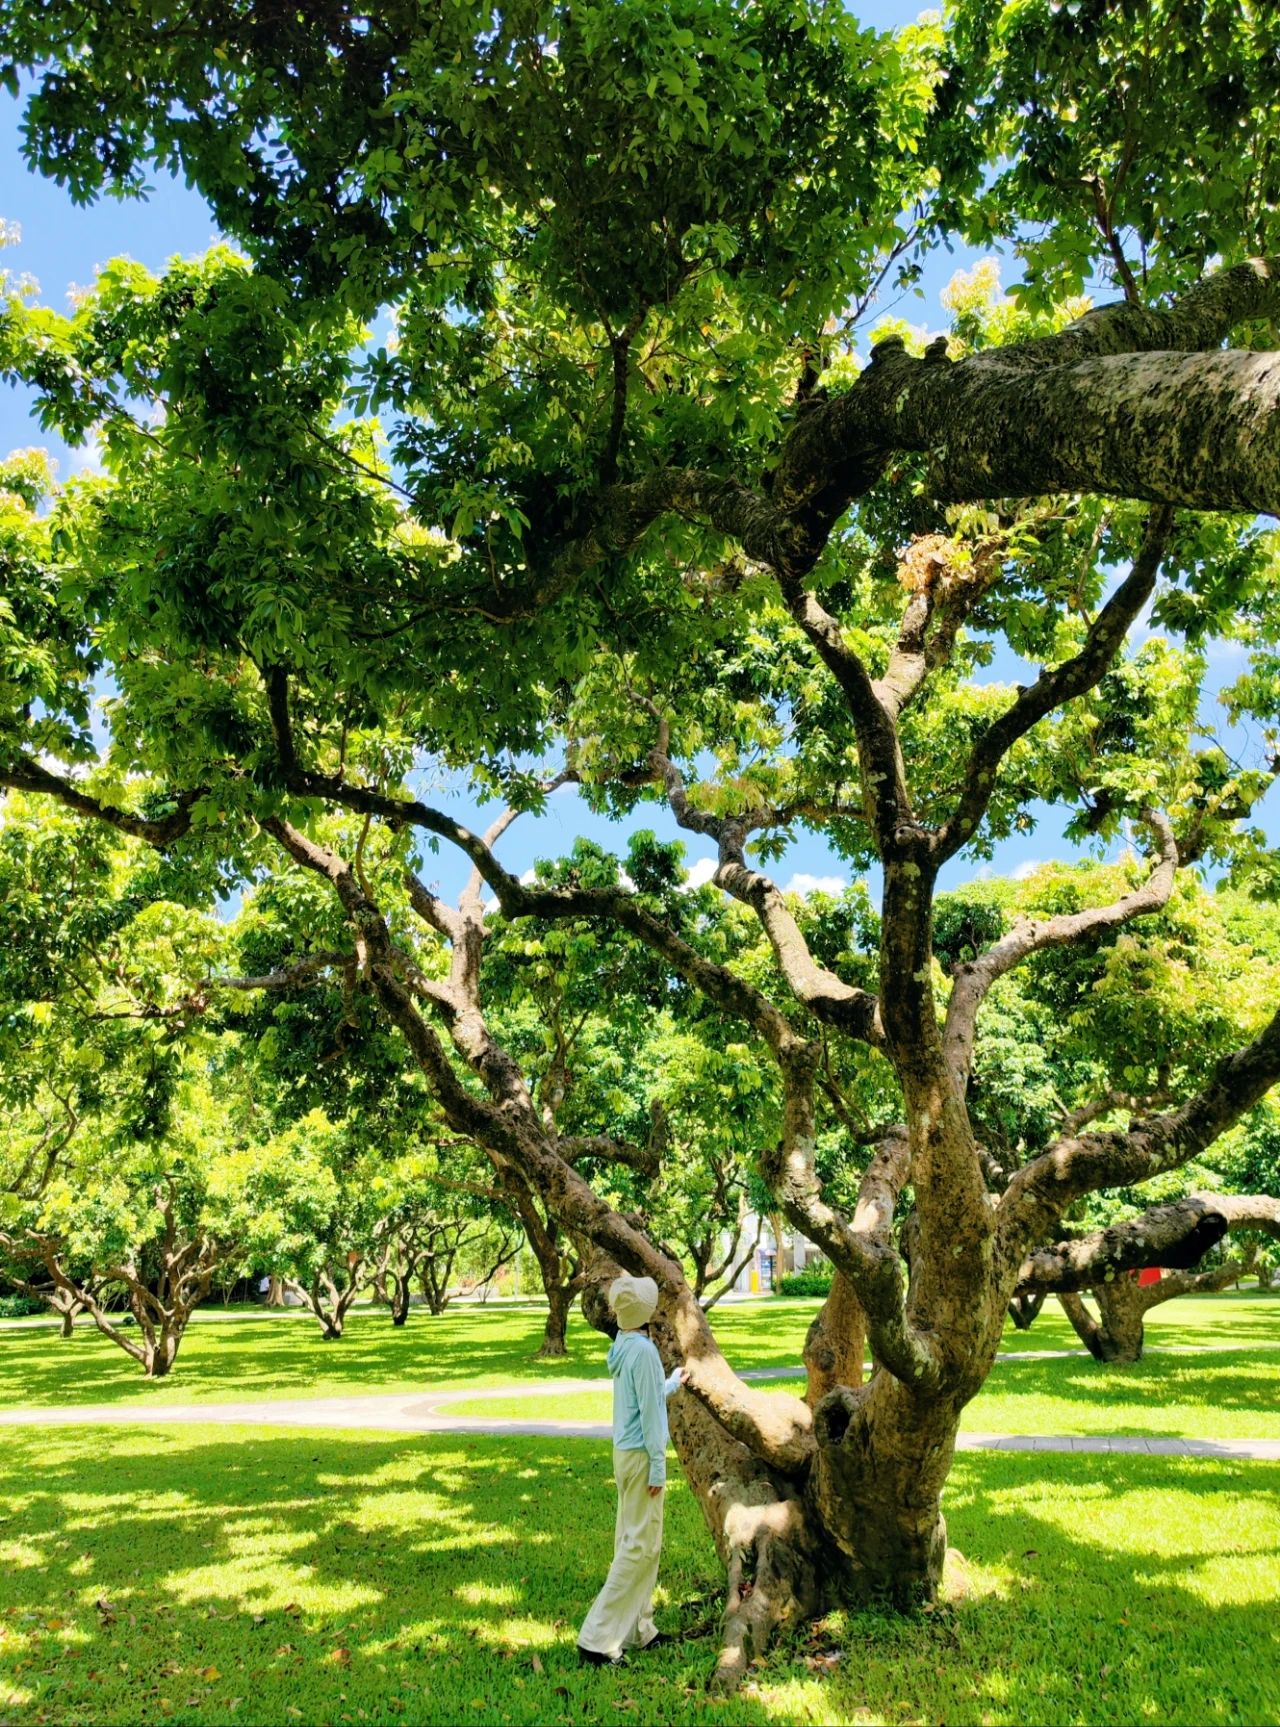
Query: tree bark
x=560, y=1300
x=1117, y=1333
x=836, y=1342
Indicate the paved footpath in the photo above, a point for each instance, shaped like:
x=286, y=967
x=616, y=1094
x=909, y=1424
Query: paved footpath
x=419, y=1412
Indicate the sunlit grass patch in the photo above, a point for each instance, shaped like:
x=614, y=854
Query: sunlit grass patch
x=321, y=1576
x=283, y=1356
x=1226, y=1395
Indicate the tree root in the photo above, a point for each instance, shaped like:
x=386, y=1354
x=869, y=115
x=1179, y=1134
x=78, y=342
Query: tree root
x=773, y=1582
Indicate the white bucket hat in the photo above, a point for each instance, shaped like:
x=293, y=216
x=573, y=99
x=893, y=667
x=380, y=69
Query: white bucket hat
x=633, y=1300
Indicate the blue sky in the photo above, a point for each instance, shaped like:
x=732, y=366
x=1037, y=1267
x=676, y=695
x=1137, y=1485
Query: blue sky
x=61, y=247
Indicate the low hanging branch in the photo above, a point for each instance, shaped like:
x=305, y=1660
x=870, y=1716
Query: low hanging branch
x=1174, y=1236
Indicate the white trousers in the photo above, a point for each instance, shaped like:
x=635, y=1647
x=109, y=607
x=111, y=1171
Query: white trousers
x=621, y=1615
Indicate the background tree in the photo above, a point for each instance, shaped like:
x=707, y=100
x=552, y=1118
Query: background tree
x=147, y=1223
x=645, y=505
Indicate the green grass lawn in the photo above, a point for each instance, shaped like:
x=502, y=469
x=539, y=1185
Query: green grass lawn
x=264, y=1356
x=209, y=1575
x=1231, y=1395
x=1233, y=1317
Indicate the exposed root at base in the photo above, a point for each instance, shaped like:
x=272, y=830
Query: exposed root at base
x=772, y=1584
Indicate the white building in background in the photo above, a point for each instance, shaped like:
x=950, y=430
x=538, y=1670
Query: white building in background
x=762, y=1271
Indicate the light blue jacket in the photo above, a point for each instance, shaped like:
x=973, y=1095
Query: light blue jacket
x=640, y=1396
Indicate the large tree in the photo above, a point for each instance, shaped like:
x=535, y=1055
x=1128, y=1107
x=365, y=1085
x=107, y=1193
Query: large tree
x=646, y=501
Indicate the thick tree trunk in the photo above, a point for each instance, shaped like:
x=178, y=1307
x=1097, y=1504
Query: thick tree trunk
x=1122, y=1306
x=859, y=1520
x=399, y=1298
x=161, y=1349
x=876, y=1488
x=1118, y=1333
x=560, y=1300
x=765, y=1535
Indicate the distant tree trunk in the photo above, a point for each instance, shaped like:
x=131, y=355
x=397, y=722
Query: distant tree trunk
x=1119, y=1333
x=1024, y=1309
x=560, y=1267
x=160, y=1298
x=331, y=1293
x=399, y=1297
x=715, y=1272
x=786, y=1259
x=63, y=1300
x=560, y=1300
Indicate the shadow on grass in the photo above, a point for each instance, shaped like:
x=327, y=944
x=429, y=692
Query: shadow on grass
x=1226, y=1394
x=265, y=1356
x=174, y=1571
x=287, y=1357
x=319, y=1577
x=1230, y=1317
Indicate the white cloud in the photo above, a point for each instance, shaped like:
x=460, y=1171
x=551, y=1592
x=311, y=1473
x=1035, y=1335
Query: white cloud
x=530, y=876
x=1028, y=868
x=700, y=873
x=87, y=459
x=805, y=884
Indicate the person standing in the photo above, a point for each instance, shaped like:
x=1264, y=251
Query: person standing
x=621, y=1615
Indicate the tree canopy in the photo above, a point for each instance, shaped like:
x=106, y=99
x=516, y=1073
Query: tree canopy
x=544, y=425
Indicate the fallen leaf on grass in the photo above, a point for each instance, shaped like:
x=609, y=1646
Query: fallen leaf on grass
x=536, y=1663
x=209, y=1674
x=340, y=1657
